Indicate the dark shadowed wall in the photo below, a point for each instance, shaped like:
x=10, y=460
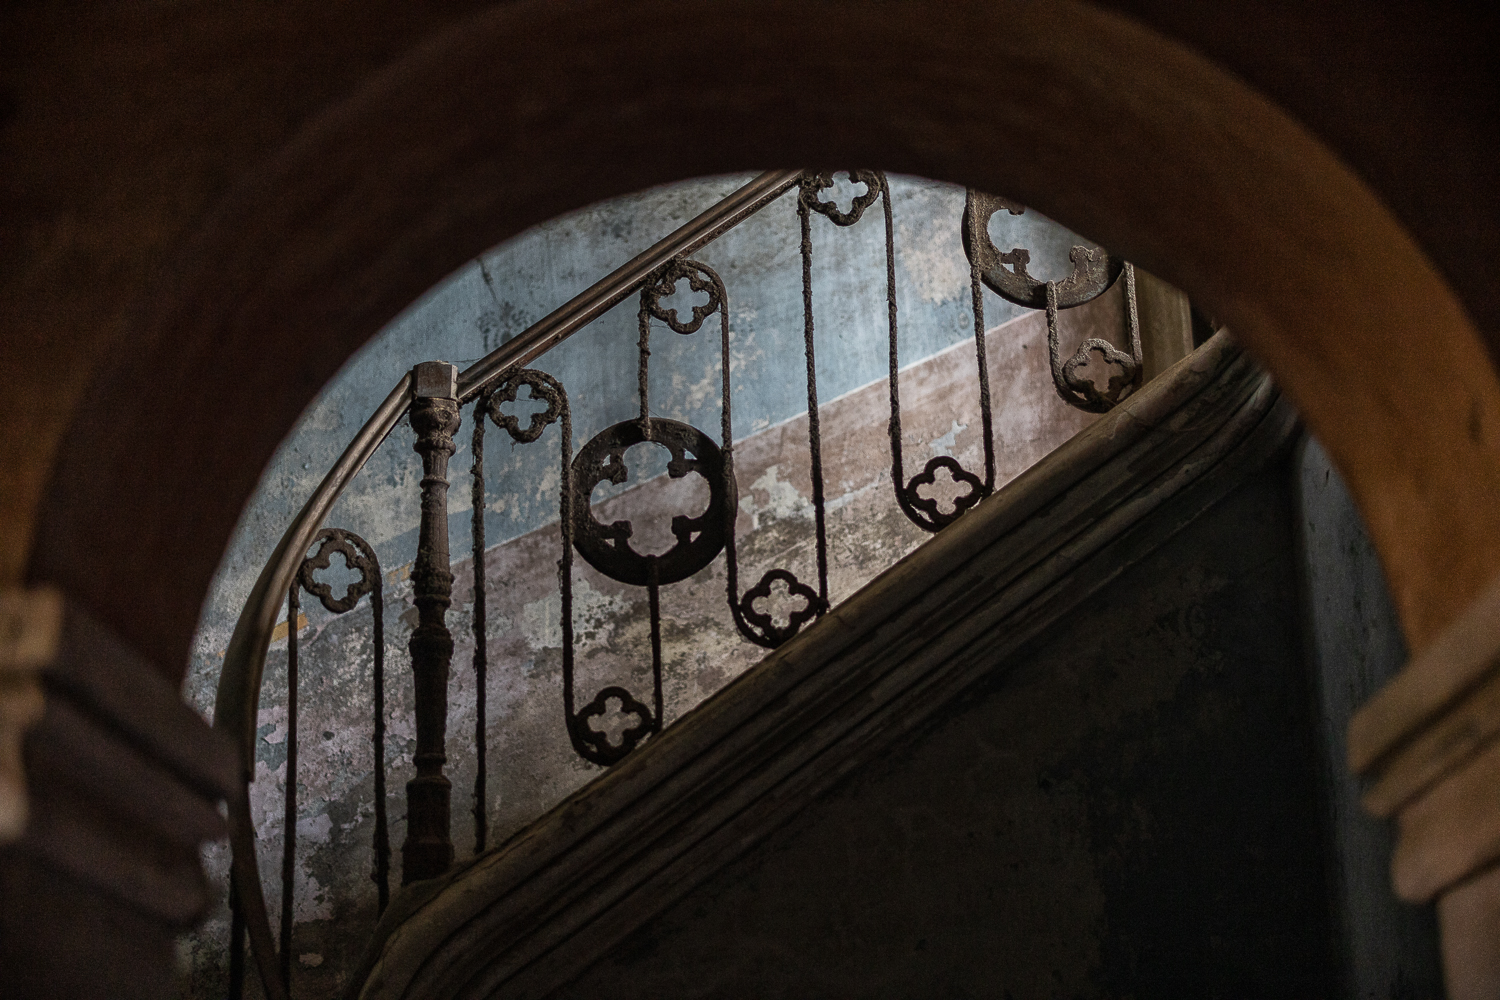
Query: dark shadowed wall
x=1132, y=806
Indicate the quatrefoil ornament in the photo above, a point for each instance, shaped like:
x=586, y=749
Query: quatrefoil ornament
x=935, y=518
x=1086, y=394
x=596, y=746
x=544, y=388
x=358, y=556
x=607, y=547
x=664, y=283
x=764, y=625
x=812, y=184
x=1094, y=271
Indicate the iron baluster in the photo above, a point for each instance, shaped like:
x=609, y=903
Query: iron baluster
x=359, y=556
x=481, y=662
x=1079, y=390
x=925, y=512
x=428, y=850
x=289, y=815
x=760, y=628
x=807, y=200
x=236, y=944
x=381, y=871
x=1094, y=271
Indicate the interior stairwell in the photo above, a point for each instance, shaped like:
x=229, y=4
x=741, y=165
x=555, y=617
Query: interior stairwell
x=922, y=707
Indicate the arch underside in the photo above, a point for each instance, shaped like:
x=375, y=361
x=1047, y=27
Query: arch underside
x=531, y=109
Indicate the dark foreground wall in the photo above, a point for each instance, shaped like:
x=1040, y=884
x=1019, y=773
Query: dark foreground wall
x=1387, y=950
x=1135, y=805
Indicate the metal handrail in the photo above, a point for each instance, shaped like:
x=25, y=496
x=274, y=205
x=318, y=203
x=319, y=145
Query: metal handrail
x=237, y=700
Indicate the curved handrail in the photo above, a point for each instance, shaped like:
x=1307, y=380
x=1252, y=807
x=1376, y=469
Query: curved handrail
x=237, y=700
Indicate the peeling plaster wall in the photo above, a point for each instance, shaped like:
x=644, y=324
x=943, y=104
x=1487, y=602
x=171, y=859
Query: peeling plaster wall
x=530, y=763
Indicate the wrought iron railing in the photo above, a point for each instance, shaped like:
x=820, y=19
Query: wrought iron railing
x=432, y=396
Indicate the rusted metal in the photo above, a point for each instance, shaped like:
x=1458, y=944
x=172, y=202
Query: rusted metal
x=428, y=850
x=926, y=512
x=1094, y=271
x=478, y=621
x=1080, y=390
x=812, y=183
x=807, y=203
x=588, y=742
x=700, y=278
x=360, y=557
x=763, y=625
x=289, y=804
x=759, y=627
x=542, y=387
x=607, y=547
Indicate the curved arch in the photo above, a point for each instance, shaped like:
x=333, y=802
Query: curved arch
x=533, y=108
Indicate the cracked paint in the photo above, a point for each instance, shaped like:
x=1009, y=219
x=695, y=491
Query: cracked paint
x=530, y=763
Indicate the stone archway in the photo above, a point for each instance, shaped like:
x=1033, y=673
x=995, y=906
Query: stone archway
x=528, y=110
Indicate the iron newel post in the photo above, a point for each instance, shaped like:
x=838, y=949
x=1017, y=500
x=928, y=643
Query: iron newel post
x=428, y=850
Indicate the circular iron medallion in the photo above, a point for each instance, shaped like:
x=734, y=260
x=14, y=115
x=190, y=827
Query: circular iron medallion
x=607, y=547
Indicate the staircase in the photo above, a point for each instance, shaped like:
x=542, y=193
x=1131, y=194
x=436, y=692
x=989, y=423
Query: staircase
x=841, y=701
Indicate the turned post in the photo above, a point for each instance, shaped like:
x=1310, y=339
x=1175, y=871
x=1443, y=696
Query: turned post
x=428, y=850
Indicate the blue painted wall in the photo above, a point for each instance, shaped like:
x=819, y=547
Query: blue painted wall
x=490, y=300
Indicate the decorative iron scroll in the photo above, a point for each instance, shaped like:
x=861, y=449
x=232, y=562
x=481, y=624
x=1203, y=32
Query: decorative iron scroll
x=606, y=547
x=360, y=557
x=925, y=512
x=1094, y=272
x=542, y=388
x=545, y=389
x=1080, y=390
x=663, y=283
x=758, y=626
x=813, y=183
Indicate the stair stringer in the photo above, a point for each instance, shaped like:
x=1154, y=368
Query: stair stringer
x=530, y=915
